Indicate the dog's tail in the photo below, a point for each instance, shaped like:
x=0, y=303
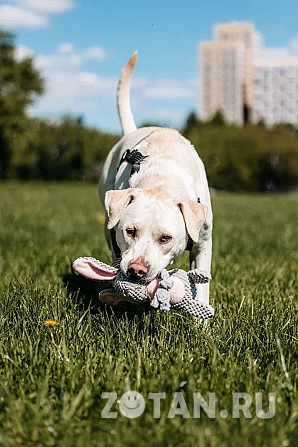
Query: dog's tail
x=123, y=97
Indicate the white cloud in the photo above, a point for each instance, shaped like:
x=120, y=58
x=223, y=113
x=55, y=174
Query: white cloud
x=275, y=52
x=48, y=6
x=139, y=83
x=66, y=47
x=67, y=58
x=170, y=89
x=69, y=87
x=31, y=13
x=21, y=51
x=96, y=53
x=18, y=17
x=280, y=52
x=76, y=92
x=294, y=45
x=58, y=62
x=169, y=115
x=73, y=89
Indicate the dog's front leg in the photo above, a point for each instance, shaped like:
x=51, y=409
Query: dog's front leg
x=200, y=258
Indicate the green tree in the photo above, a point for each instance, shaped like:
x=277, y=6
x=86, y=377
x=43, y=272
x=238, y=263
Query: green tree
x=20, y=83
x=218, y=119
x=249, y=158
x=192, y=122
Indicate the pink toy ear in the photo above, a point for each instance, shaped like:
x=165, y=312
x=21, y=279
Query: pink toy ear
x=92, y=269
x=176, y=293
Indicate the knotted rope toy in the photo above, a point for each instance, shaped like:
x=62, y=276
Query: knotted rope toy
x=174, y=289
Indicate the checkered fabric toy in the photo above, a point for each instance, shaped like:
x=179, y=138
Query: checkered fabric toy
x=174, y=289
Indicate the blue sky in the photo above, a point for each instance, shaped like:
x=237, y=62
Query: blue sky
x=81, y=45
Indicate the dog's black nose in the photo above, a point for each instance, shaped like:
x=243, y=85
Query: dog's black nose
x=137, y=270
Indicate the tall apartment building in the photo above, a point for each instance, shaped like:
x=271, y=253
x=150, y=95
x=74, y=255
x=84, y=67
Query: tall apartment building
x=226, y=67
x=275, y=89
x=246, y=81
x=222, y=80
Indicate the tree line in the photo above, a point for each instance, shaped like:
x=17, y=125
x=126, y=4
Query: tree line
x=250, y=158
x=40, y=149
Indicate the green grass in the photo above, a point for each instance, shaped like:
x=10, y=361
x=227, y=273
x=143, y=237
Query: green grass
x=52, y=377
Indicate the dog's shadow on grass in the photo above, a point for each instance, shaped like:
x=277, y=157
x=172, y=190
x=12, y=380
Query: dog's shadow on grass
x=86, y=292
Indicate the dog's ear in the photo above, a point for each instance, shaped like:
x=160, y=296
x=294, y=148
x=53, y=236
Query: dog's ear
x=194, y=215
x=115, y=203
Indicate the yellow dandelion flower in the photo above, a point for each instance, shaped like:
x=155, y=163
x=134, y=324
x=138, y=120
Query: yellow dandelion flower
x=101, y=218
x=51, y=323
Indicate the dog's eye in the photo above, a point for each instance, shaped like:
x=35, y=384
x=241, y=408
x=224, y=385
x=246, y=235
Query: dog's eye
x=131, y=232
x=165, y=238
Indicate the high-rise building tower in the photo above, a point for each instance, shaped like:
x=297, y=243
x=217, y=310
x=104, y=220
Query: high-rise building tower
x=226, y=67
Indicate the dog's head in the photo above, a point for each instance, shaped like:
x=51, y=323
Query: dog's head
x=151, y=228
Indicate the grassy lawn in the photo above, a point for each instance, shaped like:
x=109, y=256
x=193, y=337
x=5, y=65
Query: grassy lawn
x=52, y=378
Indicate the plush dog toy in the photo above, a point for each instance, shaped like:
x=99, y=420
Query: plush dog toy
x=174, y=289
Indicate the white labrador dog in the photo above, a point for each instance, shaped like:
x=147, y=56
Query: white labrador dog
x=156, y=197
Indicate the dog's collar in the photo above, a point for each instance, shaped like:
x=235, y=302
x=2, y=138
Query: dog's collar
x=133, y=157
